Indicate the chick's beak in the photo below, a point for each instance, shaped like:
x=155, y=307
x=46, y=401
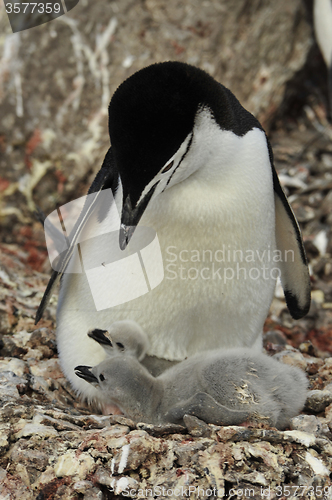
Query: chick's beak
x=100, y=336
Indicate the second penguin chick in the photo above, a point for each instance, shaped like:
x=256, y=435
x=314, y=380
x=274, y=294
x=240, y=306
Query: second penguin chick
x=219, y=387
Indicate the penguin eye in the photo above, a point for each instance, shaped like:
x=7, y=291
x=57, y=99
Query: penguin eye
x=168, y=167
x=121, y=346
x=101, y=377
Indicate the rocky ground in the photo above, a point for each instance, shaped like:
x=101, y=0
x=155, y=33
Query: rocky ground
x=51, y=445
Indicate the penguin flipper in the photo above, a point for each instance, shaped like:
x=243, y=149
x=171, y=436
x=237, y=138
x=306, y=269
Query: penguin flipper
x=206, y=408
x=55, y=277
x=105, y=178
x=295, y=278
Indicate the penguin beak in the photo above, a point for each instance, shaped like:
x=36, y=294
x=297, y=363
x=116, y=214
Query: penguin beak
x=85, y=373
x=100, y=337
x=130, y=217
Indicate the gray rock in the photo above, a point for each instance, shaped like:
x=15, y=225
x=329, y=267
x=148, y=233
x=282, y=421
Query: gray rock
x=317, y=400
x=306, y=423
x=197, y=427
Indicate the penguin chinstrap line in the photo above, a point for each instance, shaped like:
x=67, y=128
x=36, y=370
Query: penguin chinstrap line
x=188, y=161
x=220, y=387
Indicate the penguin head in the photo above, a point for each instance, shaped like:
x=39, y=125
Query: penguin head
x=129, y=338
x=108, y=376
x=154, y=122
x=124, y=337
x=122, y=380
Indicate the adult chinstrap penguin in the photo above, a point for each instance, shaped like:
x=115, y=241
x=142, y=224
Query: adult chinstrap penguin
x=188, y=161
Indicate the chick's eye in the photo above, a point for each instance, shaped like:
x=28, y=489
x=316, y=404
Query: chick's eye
x=120, y=346
x=168, y=167
x=101, y=377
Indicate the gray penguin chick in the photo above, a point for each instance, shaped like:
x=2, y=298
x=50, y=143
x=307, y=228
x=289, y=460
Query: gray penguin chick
x=219, y=387
x=122, y=337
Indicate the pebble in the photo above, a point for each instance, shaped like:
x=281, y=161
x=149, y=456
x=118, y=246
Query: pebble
x=275, y=337
x=316, y=464
x=307, y=347
x=197, y=427
x=74, y=464
x=4, y=439
x=318, y=296
x=10, y=384
x=93, y=494
x=306, y=423
x=124, y=484
x=82, y=486
x=161, y=429
x=14, y=365
x=32, y=429
x=317, y=401
x=304, y=213
x=321, y=241
x=313, y=364
x=293, y=358
x=49, y=368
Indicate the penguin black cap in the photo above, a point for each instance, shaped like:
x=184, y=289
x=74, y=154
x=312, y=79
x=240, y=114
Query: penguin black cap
x=148, y=123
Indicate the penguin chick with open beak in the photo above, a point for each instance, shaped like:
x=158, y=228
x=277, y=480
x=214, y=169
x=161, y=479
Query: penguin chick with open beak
x=188, y=161
x=220, y=387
